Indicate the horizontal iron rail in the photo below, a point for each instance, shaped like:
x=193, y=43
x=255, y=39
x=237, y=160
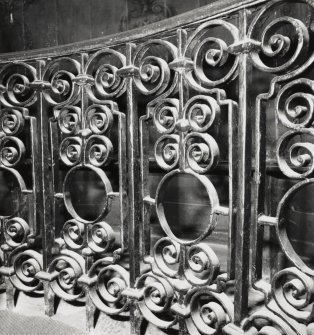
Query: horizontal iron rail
x=191, y=18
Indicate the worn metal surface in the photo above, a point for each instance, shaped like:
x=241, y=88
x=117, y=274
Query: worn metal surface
x=181, y=101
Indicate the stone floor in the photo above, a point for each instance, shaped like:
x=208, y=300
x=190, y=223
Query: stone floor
x=27, y=318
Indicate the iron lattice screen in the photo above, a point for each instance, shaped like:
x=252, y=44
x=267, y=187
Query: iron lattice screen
x=222, y=103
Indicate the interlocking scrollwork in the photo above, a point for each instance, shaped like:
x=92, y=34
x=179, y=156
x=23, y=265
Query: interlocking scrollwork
x=266, y=322
x=102, y=68
x=210, y=312
x=139, y=117
x=285, y=53
x=15, y=87
x=186, y=146
x=18, y=136
x=209, y=53
x=202, y=152
x=26, y=265
x=155, y=76
x=107, y=289
x=293, y=292
x=100, y=235
x=87, y=134
x=60, y=74
x=65, y=270
x=96, y=148
x=158, y=295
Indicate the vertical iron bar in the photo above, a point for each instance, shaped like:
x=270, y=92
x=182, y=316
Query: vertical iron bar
x=132, y=135
x=233, y=183
x=9, y=288
x=244, y=184
x=35, y=180
x=259, y=192
x=183, y=98
x=183, y=95
x=146, y=210
x=90, y=308
x=84, y=105
x=122, y=181
x=46, y=192
x=133, y=191
x=45, y=205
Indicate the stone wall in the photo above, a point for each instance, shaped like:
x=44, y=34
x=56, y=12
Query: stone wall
x=32, y=24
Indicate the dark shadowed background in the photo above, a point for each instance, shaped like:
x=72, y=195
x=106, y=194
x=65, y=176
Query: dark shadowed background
x=33, y=24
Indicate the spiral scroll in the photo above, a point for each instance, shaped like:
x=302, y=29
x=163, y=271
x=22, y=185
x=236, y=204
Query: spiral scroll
x=166, y=255
x=265, y=322
x=295, y=104
x=158, y=297
x=210, y=312
x=15, y=82
x=209, y=53
x=26, y=265
x=154, y=72
x=100, y=237
x=203, y=265
x=298, y=161
x=202, y=152
x=103, y=66
x=73, y=234
x=16, y=231
x=11, y=121
x=167, y=151
x=66, y=269
x=98, y=150
x=107, y=296
x=99, y=119
x=70, y=150
x=12, y=151
x=279, y=52
x=68, y=119
x=201, y=111
x=60, y=73
x=166, y=114
x=294, y=293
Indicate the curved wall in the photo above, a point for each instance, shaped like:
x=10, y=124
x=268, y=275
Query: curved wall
x=34, y=24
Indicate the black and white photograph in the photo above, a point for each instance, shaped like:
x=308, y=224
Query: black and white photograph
x=156, y=167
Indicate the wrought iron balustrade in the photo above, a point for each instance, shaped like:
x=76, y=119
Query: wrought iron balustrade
x=220, y=101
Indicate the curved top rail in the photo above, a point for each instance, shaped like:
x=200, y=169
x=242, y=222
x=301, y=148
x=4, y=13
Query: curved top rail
x=216, y=9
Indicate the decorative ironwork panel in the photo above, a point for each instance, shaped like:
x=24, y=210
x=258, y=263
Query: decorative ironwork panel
x=154, y=176
x=20, y=222
x=184, y=285
x=87, y=135
x=283, y=51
